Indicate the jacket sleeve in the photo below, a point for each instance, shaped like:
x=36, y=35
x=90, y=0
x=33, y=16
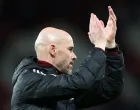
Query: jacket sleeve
x=106, y=86
x=69, y=85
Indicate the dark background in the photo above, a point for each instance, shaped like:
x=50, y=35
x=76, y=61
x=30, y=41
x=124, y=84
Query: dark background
x=22, y=20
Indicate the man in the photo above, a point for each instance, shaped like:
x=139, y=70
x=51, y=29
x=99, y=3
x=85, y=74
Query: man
x=46, y=82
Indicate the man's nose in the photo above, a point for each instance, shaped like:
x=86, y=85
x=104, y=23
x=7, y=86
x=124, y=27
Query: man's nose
x=74, y=56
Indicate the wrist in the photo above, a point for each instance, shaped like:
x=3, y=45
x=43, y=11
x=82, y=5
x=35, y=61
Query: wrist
x=111, y=44
x=102, y=46
x=112, y=50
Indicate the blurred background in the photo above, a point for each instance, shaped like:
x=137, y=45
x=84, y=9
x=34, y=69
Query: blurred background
x=22, y=20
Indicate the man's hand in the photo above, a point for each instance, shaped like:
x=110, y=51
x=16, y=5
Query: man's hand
x=111, y=29
x=96, y=32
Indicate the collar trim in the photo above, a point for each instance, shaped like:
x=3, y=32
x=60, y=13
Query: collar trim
x=44, y=63
x=47, y=64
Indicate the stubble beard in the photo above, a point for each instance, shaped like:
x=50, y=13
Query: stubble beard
x=69, y=72
x=66, y=70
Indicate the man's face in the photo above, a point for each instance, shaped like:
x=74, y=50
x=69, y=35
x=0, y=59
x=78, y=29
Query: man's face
x=65, y=56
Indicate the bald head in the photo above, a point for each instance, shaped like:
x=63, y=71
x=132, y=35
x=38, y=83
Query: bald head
x=50, y=36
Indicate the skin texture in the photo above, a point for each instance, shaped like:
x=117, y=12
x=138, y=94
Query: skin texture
x=56, y=47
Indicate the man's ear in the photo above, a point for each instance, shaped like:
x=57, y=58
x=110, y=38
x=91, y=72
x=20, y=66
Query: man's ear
x=52, y=50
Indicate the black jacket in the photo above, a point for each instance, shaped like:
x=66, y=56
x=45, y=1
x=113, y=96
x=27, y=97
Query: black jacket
x=97, y=80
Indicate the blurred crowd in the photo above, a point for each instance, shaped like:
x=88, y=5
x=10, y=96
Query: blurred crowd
x=22, y=20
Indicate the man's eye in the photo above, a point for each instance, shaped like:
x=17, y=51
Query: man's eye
x=71, y=49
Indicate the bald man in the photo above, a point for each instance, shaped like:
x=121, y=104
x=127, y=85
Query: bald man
x=46, y=82
x=56, y=47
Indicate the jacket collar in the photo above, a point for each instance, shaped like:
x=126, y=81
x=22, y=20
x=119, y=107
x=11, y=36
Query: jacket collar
x=47, y=64
x=44, y=63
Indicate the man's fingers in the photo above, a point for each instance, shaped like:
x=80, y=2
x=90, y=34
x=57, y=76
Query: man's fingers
x=98, y=24
x=96, y=21
x=111, y=12
x=114, y=22
x=109, y=15
x=92, y=18
x=112, y=17
x=102, y=23
x=90, y=22
x=93, y=23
